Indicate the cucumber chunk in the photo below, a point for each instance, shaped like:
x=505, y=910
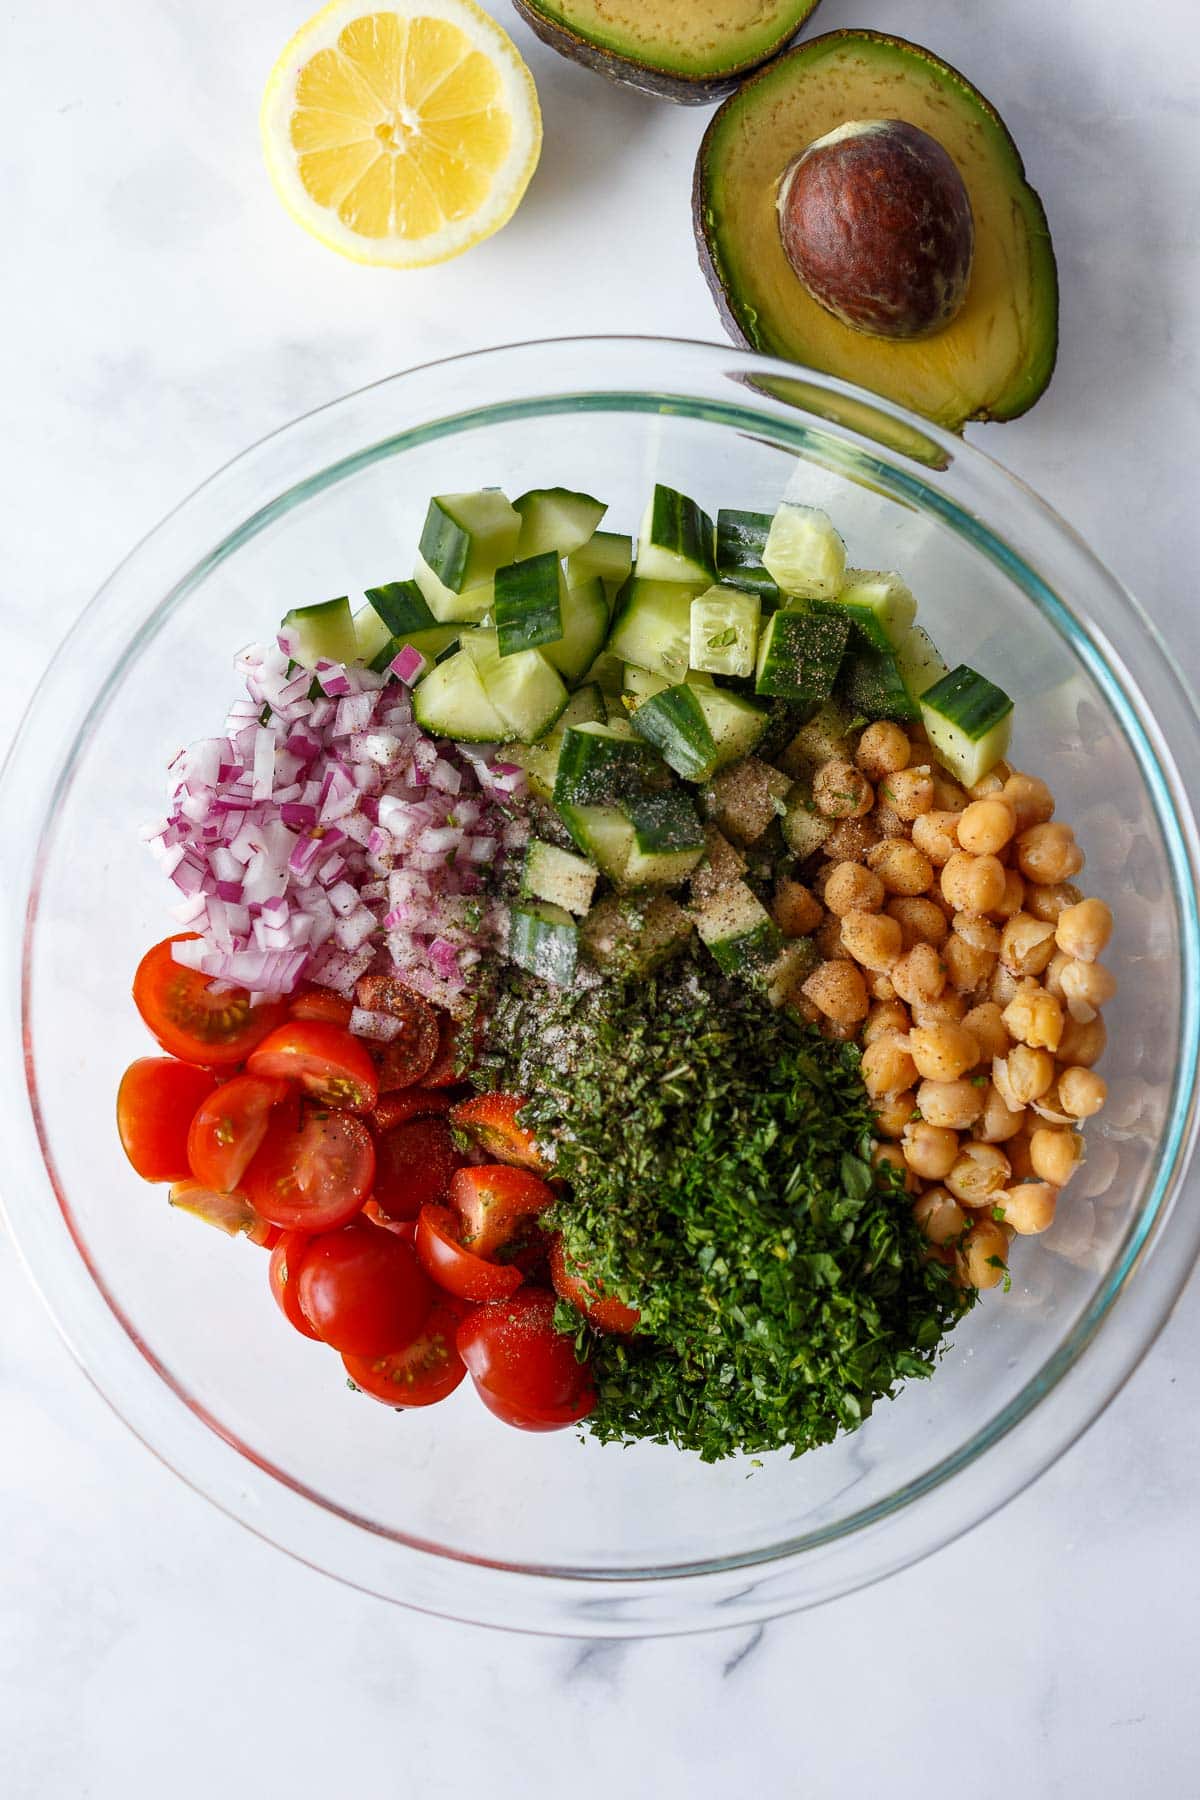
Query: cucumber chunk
x=741, y=540
x=599, y=764
x=466, y=537
x=699, y=730
x=636, y=935
x=539, y=761
x=585, y=707
x=545, y=940
x=556, y=519
x=529, y=603
x=804, y=828
x=324, y=632
x=448, y=607
x=724, y=632
x=396, y=615
x=371, y=636
x=804, y=554
x=652, y=625
x=434, y=645
x=668, y=838
x=640, y=684
x=585, y=627
x=820, y=740
x=969, y=722
x=557, y=877
x=783, y=978
x=402, y=607
x=607, y=556
x=677, y=541
x=603, y=833
x=738, y=930
x=888, y=684
x=880, y=607
x=799, y=655
x=524, y=689
x=451, y=702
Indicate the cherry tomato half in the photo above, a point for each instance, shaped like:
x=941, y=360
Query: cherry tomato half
x=155, y=1101
x=363, y=1290
x=409, y=1103
x=230, y=1213
x=493, y=1202
x=425, y=1371
x=189, y=1020
x=444, y=1070
x=414, y=1163
x=524, y=1370
x=455, y=1269
x=491, y=1120
x=284, y=1274
x=403, y=1228
x=314, y=1169
x=321, y=1003
x=229, y=1128
x=602, y=1310
x=329, y=1064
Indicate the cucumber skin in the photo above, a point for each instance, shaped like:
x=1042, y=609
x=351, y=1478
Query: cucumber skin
x=740, y=540
x=543, y=944
x=448, y=547
x=402, y=607
x=800, y=654
x=673, y=723
x=325, y=631
x=595, y=769
x=527, y=607
x=680, y=528
x=872, y=684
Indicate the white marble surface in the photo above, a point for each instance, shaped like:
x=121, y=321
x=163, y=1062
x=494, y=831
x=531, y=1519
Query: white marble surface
x=160, y=312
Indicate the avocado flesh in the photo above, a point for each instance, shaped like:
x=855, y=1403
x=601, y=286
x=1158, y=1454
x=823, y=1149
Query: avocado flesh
x=690, y=40
x=994, y=359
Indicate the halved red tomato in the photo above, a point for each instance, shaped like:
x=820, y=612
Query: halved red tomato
x=284, y=1273
x=229, y=1128
x=491, y=1120
x=155, y=1103
x=409, y=1103
x=425, y=1371
x=189, y=1020
x=524, y=1370
x=444, y=1070
x=457, y=1270
x=363, y=1290
x=313, y=1170
x=403, y=1228
x=493, y=1202
x=321, y=1003
x=602, y=1310
x=414, y=1163
x=326, y=1060
x=230, y=1213
x=405, y=1060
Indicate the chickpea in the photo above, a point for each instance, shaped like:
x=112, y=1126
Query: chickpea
x=1055, y=1154
x=948, y=1006
x=977, y=931
x=998, y=1122
x=1026, y=944
x=1004, y=984
x=880, y=987
x=980, y=1170
x=891, y=1156
x=1035, y=1017
x=883, y=749
x=1084, y=929
x=795, y=910
x=902, y=868
x=1029, y=1207
x=973, y=883
x=887, y=823
x=939, y=1216
x=807, y=1011
x=841, y=791
x=1053, y=972
x=968, y=968
x=983, y=1262
x=893, y=1113
x=1081, y=1092
x=929, y=1150
x=1086, y=987
x=918, y=975
x=986, y=826
x=829, y=941
x=909, y=792
x=991, y=783
x=1083, y=1041
x=1046, y=899
x=872, y=939
x=954, y=1105
x=1030, y=799
x=1024, y=1075
x=942, y=1052
x=1014, y=896
x=1017, y=1151
x=1048, y=853
x=839, y=990
x=887, y=1068
x=851, y=888
x=987, y=1027
x=935, y=834
x=850, y=840
x=948, y=795
x=886, y=1019
x=920, y=921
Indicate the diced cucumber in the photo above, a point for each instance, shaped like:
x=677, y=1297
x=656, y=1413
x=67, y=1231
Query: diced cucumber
x=636, y=935
x=607, y=672
x=888, y=684
x=467, y=537
x=434, y=645
x=600, y=764
x=641, y=683
x=321, y=633
x=724, y=631
x=556, y=519
x=527, y=693
x=921, y=661
x=652, y=625
x=603, y=833
x=529, y=603
x=539, y=761
x=402, y=608
x=804, y=828
x=880, y=607
x=823, y=738
x=738, y=930
x=585, y=627
x=969, y=722
x=396, y=615
x=785, y=976
x=698, y=730
x=558, y=877
x=745, y=799
x=741, y=539
x=803, y=553
x=371, y=635
x=585, y=707
x=677, y=541
x=668, y=838
x=799, y=655
x=608, y=556
x=545, y=940
x=451, y=702
x=447, y=607
x=720, y=865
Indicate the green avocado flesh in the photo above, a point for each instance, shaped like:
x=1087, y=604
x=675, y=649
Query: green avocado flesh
x=996, y=356
x=690, y=39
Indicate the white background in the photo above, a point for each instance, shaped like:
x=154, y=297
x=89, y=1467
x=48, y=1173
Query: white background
x=160, y=312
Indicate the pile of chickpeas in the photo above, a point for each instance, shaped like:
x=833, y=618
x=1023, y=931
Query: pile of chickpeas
x=959, y=952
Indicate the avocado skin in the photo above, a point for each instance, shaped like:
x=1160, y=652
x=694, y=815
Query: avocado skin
x=748, y=332
x=684, y=90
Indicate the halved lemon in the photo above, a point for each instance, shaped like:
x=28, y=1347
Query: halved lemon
x=401, y=137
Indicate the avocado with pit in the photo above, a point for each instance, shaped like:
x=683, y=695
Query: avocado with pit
x=981, y=343
x=687, y=50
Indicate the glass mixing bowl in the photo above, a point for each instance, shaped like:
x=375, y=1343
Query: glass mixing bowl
x=448, y=1510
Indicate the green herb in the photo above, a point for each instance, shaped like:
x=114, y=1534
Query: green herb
x=722, y=639
x=998, y=1214
x=980, y=1080
x=717, y=1155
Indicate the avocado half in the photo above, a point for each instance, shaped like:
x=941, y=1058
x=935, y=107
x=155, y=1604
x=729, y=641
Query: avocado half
x=995, y=358
x=687, y=50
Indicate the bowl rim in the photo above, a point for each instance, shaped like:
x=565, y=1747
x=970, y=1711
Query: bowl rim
x=702, y=1594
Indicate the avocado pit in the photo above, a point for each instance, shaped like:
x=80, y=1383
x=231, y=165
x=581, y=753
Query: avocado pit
x=876, y=222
